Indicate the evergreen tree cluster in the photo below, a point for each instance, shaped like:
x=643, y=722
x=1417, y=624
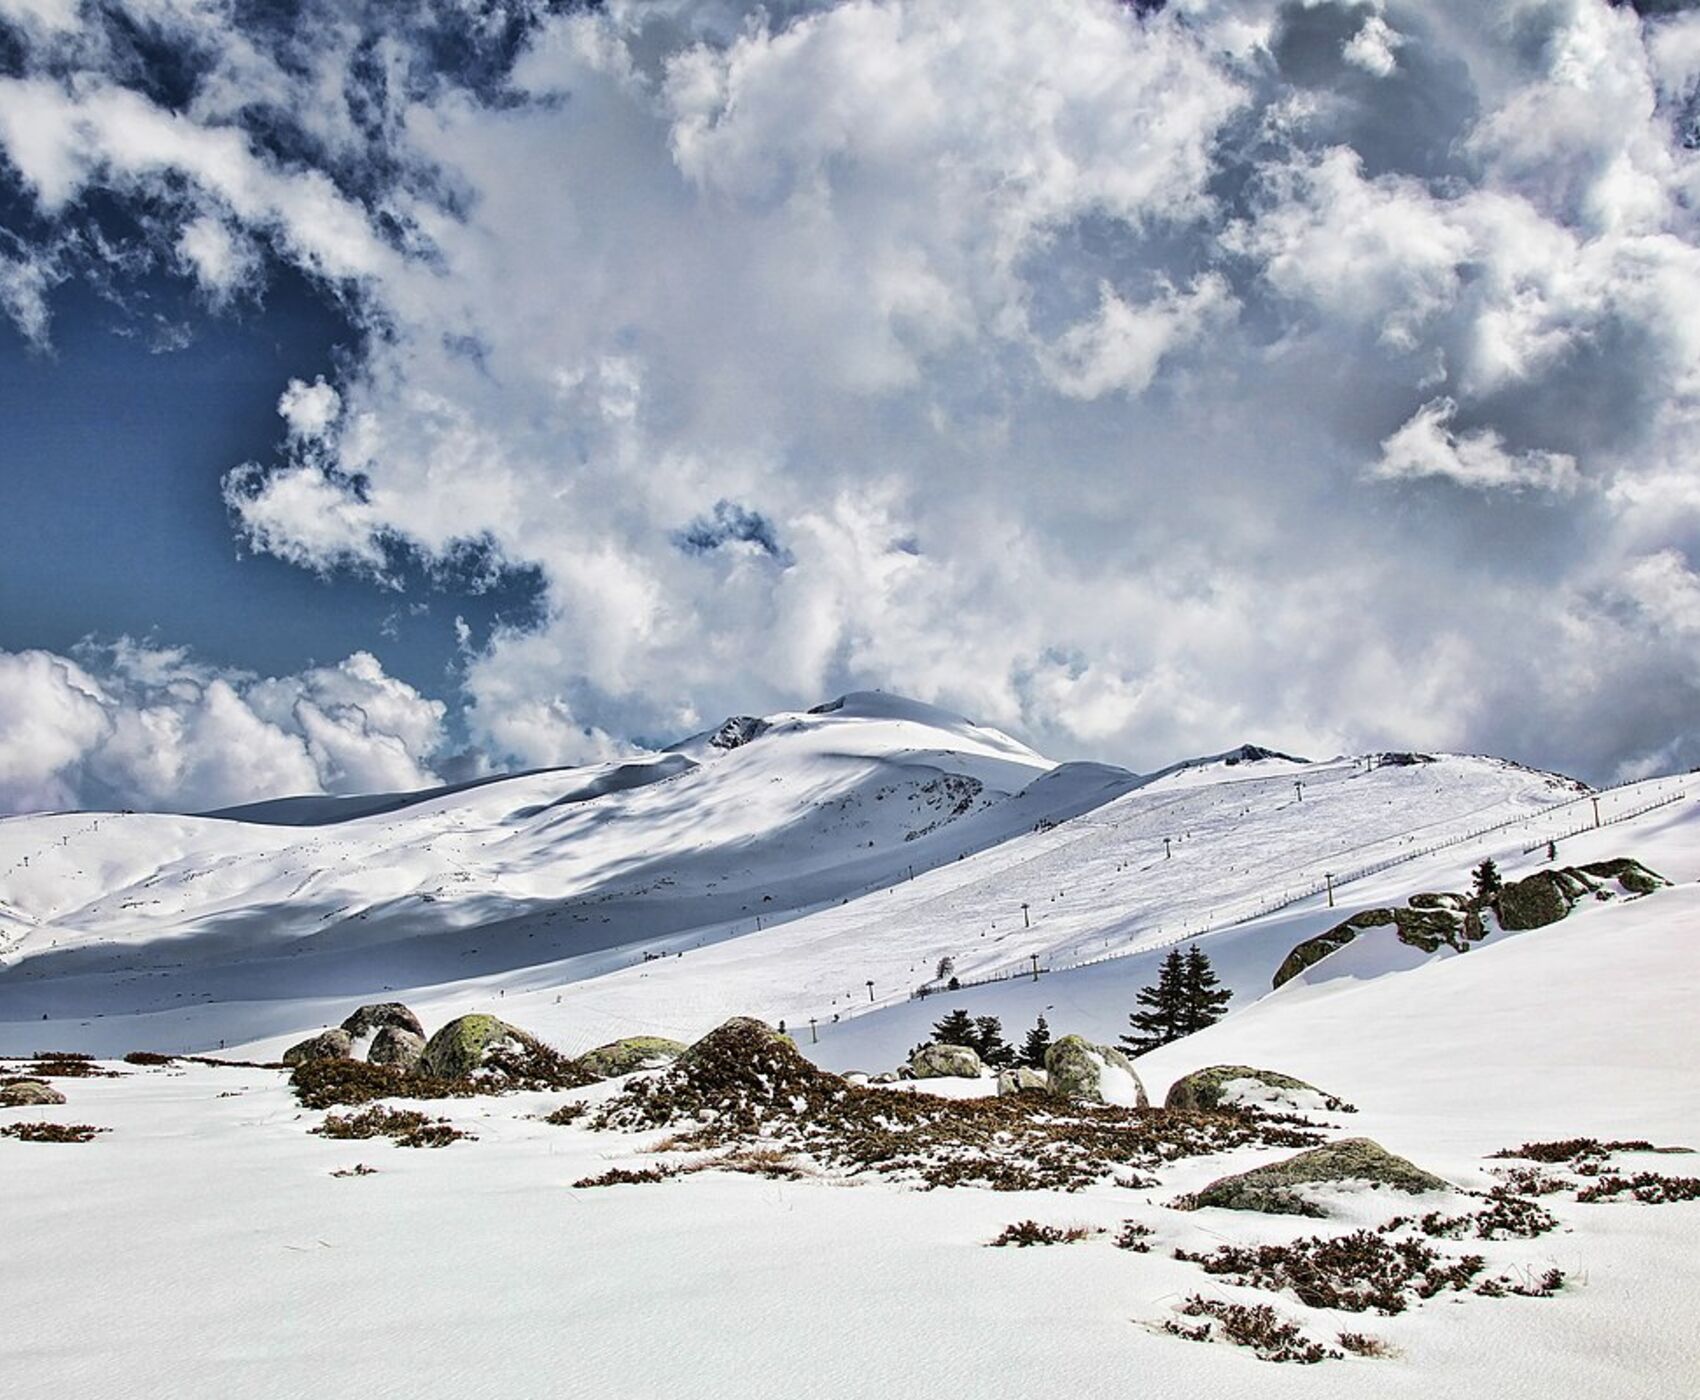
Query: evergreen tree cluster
x=1188, y=997
x=984, y=1036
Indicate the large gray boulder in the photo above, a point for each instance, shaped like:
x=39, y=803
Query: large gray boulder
x=1241, y=1086
x=461, y=1047
x=1077, y=1069
x=335, y=1044
x=396, y=1046
x=945, y=1062
x=629, y=1055
x=1275, y=1189
x=376, y=1015
x=28, y=1093
x=1022, y=1080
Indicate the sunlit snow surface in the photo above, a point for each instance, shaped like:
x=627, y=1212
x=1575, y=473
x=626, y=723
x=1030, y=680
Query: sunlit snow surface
x=203, y=1248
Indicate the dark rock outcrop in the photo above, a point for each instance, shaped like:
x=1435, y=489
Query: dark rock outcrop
x=379, y=1014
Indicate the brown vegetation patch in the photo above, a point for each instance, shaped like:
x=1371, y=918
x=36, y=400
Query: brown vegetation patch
x=1257, y=1326
x=402, y=1126
x=1026, y=1233
x=52, y=1132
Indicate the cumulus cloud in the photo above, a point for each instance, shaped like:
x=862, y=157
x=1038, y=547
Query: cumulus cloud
x=133, y=725
x=1102, y=370
x=1428, y=446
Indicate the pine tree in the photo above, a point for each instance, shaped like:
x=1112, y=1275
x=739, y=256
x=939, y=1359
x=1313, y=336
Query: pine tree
x=1163, y=1019
x=989, y=1041
x=1488, y=883
x=956, y=1029
x=1203, y=998
x=1033, y=1048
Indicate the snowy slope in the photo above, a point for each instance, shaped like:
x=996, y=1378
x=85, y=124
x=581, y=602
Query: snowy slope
x=103, y=913
x=477, y=1270
x=773, y=867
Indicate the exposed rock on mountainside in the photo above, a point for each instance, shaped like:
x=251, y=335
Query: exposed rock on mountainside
x=1240, y=1086
x=398, y=1046
x=629, y=1055
x=335, y=1044
x=1548, y=895
x=1077, y=1069
x=1273, y=1189
x=22, y=1093
x=377, y=1015
x=945, y=1062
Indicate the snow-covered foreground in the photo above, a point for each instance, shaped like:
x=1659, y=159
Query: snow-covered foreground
x=203, y=1247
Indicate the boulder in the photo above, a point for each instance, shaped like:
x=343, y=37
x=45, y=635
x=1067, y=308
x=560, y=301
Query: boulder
x=397, y=1046
x=335, y=1044
x=1543, y=898
x=1241, y=1086
x=1274, y=1189
x=461, y=1047
x=1021, y=1080
x=945, y=1062
x=628, y=1056
x=377, y=1015
x=27, y=1093
x=1433, y=920
x=1077, y=1069
x=1631, y=875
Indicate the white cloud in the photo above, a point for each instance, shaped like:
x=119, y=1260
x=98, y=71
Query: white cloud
x=1374, y=47
x=1025, y=332
x=1427, y=446
x=137, y=726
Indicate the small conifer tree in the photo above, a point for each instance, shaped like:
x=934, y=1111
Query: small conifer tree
x=989, y=1041
x=1488, y=883
x=956, y=1029
x=1037, y=1043
x=1164, y=1014
x=1203, y=998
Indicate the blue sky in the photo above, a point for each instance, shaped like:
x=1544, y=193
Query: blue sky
x=397, y=391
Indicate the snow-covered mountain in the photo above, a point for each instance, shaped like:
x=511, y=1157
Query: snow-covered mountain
x=120, y=913
x=773, y=865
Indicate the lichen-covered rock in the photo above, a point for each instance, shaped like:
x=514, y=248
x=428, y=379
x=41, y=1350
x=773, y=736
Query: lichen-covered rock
x=1077, y=1069
x=628, y=1056
x=945, y=1062
x=398, y=1046
x=335, y=1044
x=1541, y=899
x=1022, y=1080
x=375, y=1016
x=1275, y=1189
x=1241, y=1086
x=1549, y=895
x=463, y=1046
x=1433, y=921
x=28, y=1093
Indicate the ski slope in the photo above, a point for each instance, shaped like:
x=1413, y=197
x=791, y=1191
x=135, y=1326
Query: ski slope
x=776, y=867
x=124, y=914
x=476, y=1270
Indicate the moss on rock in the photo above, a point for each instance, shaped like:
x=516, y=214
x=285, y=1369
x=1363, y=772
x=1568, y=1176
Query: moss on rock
x=1206, y=1090
x=945, y=1062
x=1273, y=1189
x=1077, y=1069
x=462, y=1047
x=629, y=1055
x=1022, y=1080
x=28, y=1093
